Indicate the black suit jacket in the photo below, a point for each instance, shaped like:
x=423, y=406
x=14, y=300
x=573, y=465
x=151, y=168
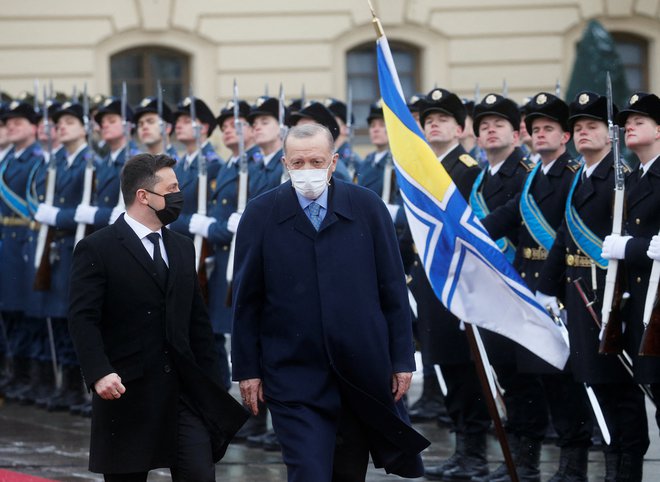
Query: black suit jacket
x=158, y=340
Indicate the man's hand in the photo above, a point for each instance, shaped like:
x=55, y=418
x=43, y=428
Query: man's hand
x=252, y=392
x=85, y=214
x=548, y=302
x=232, y=222
x=614, y=246
x=654, y=248
x=200, y=224
x=400, y=384
x=109, y=387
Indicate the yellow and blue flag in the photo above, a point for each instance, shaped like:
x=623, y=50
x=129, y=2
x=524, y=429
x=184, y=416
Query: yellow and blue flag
x=467, y=271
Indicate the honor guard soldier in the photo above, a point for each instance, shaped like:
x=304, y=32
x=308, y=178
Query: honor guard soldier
x=148, y=125
x=106, y=183
x=414, y=106
x=497, y=124
x=468, y=139
x=535, y=214
x=641, y=122
x=5, y=149
x=60, y=219
x=315, y=112
x=347, y=156
x=56, y=146
x=187, y=169
x=23, y=332
x=525, y=139
x=442, y=115
x=577, y=253
x=5, y=145
x=264, y=119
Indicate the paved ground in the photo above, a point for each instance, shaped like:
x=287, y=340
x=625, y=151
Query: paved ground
x=54, y=446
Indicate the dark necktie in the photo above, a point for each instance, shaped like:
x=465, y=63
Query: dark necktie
x=159, y=263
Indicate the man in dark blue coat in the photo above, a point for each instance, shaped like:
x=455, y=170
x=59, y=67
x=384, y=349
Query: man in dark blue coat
x=321, y=327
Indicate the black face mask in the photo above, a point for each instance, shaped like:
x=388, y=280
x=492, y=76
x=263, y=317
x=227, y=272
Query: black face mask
x=172, y=209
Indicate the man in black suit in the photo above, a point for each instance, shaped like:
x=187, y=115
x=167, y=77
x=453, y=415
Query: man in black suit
x=144, y=341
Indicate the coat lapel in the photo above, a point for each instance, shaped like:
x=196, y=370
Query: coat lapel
x=339, y=205
x=134, y=245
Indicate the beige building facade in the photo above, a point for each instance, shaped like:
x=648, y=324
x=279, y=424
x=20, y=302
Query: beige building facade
x=455, y=44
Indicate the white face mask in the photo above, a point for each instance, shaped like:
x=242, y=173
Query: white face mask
x=310, y=183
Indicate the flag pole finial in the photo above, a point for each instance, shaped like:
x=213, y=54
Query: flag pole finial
x=376, y=21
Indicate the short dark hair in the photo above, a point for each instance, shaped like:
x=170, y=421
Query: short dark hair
x=139, y=172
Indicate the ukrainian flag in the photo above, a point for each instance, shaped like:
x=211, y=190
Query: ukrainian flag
x=468, y=272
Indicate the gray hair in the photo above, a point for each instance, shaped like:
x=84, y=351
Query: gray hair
x=307, y=131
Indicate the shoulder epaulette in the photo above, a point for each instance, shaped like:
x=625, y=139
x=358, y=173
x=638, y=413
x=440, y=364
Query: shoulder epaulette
x=573, y=165
x=626, y=166
x=527, y=163
x=468, y=160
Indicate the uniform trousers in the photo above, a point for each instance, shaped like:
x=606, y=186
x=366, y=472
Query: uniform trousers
x=569, y=408
x=624, y=409
x=465, y=401
x=194, y=459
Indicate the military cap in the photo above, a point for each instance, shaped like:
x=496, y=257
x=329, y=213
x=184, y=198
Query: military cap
x=3, y=110
x=25, y=96
x=70, y=108
x=149, y=105
x=495, y=104
x=375, y=111
x=269, y=106
x=547, y=105
x=445, y=102
x=339, y=109
x=640, y=103
x=469, y=106
x=19, y=108
x=53, y=105
x=319, y=114
x=523, y=107
x=204, y=114
x=591, y=105
x=97, y=101
x=228, y=111
x=295, y=105
x=4, y=97
x=415, y=102
x=112, y=105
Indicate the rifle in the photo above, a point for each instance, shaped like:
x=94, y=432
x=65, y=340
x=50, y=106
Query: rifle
x=349, y=127
x=242, y=190
x=593, y=400
x=202, y=179
x=88, y=179
x=650, y=345
x=45, y=236
x=612, y=329
x=505, y=88
x=558, y=89
x=126, y=126
x=161, y=121
x=589, y=298
x=303, y=97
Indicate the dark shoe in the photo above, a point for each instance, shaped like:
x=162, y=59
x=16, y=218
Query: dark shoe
x=572, y=465
x=257, y=441
x=43, y=383
x=435, y=472
x=501, y=473
x=20, y=381
x=86, y=410
x=474, y=463
x=529, y=457
x=70, y=393
x=431, y=404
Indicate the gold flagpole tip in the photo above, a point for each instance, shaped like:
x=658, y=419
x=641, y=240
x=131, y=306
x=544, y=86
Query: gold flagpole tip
x=376, y=21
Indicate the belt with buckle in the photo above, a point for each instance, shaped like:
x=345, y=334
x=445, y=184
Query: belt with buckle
x=578, y=261
x=535, y=254
x=15, y=221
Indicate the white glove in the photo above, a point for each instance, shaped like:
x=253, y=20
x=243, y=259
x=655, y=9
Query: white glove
x=548, y=302
x=85, y=214
x=116, y=212
x=200, y=225
x=393, y=209
x=654, y=248
x=614, y=246
x=46, y=214
x=232, y=222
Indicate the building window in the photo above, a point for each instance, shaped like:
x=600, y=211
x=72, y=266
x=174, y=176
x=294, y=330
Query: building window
x=142, y=67
x=362, y=76
x=633, y=52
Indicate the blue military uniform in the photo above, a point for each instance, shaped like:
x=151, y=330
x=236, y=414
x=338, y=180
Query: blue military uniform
x=269, y=174
x=106, y=185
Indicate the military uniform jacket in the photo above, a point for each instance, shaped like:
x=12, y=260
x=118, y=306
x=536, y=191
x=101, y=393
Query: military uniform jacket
x=15, y=282
x=317, y=312
x=106, y=186
x=497, y=190
x=188, y=177
x=592, y=200
x=266, y=176
x=549, y=191
x=157, y=338
x=442, y=340
x=223, y=203
x=642, y=222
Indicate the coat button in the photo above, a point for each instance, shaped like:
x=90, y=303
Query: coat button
x=167, y=369
x=567, y=250
x=225, y=247
x=107, y=199
x=224, y=200
x=637, y=221
x=62, y=199
x=639, y=280
x=41, y=198
x=523, y=274
x=148, y=312
x=568, y=280
x=536, y=275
